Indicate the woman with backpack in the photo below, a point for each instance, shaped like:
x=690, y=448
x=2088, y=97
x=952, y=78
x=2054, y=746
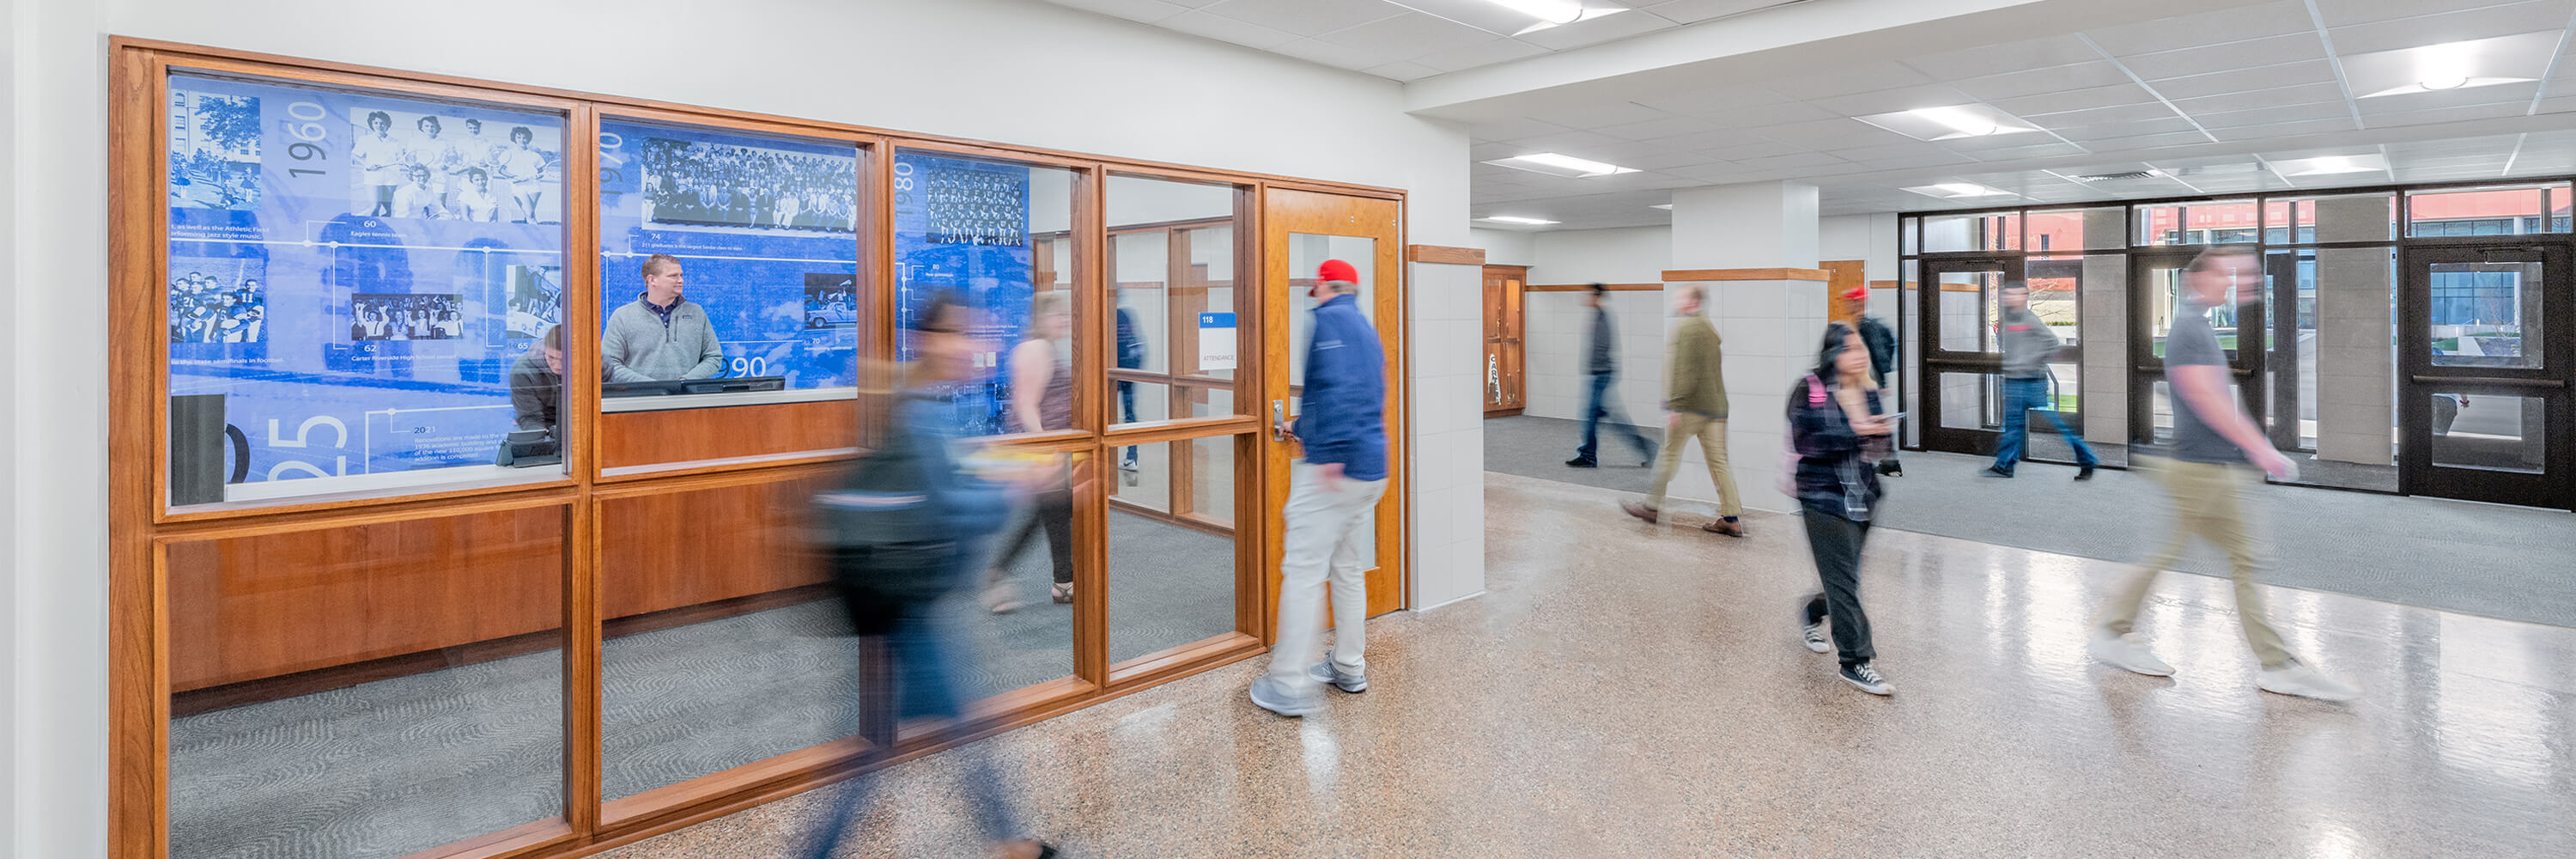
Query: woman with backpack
x=1837, y=431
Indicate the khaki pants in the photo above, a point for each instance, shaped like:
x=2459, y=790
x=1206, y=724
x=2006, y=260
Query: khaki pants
x=2214, y=502
x=1711, y=433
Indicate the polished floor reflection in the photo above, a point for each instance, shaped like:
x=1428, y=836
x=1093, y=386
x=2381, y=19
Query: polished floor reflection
x=1634, y=690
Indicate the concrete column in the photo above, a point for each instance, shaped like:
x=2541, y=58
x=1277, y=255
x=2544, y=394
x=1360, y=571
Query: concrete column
x=2106, y=333
x=1769, y=327
x=2356, y=364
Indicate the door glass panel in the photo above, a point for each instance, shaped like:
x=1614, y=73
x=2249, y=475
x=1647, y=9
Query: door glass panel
x=2504, y=211
x=1170, y=583
x=2163, y=280
x=2486, y=314
x=1971, y=401
x=2489, y=432
x=1306, y=251
x=1970, y=301
x=2294, y=420
x=1171, y=262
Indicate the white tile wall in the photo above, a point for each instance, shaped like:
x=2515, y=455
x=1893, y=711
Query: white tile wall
x=1447, y=433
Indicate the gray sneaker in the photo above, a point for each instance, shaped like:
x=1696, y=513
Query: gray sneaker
x=1347, y=681
x=2124, y=651
x=1271, y=695
x=2304, y=682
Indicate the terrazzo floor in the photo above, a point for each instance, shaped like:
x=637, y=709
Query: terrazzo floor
x=1637, y=690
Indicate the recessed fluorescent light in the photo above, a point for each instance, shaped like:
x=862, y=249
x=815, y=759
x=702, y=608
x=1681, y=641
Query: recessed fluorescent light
x=1664, y=206
x=2451, y=65
x=1960, y=191
x=1552, y=13
x=1516, y=219
x=1567, y=166
x=1949, y=122
x=2331, y=165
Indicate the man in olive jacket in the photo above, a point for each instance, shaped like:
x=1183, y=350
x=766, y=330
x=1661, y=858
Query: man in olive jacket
x=1695, y=407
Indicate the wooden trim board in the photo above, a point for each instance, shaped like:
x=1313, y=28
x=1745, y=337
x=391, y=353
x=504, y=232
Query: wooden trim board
x=1694, y=275
x=1444, y=255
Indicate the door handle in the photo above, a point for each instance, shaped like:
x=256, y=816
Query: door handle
x=1278, y=418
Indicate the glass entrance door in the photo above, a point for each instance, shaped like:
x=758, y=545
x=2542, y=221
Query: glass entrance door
x=2483, y=384
x=2155, y=302
x=1962, y=395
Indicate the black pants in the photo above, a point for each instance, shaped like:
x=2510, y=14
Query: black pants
x=1055, y=511
x=1836, y=542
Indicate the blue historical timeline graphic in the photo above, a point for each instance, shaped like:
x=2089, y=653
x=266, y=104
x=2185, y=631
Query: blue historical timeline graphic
x=764, y=229
x=355, y=274
x=962, y=226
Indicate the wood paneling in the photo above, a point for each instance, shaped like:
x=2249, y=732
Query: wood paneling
x=1698, y=275
x=666, y=550
x=251, y=607
x=1445, y=255
x=1581, y=287
x=629, y=439
x=1843, y=277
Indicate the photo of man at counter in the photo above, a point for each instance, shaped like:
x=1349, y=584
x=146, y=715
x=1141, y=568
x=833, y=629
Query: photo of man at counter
x=660, y=336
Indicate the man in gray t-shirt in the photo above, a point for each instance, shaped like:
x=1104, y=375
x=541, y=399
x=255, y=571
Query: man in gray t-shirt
x=2211, y=487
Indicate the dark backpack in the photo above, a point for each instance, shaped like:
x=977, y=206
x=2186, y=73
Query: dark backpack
x=881, y=526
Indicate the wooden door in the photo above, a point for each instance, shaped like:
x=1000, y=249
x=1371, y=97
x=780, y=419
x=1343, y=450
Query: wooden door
x=1503, y=377
x=1301, y=229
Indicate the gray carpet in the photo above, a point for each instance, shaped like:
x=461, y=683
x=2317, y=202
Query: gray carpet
x=2495, y=561
x=389, y=768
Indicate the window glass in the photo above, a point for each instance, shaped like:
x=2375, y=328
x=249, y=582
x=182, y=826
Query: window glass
x=1000, y=236
x=2499, y=211
x=728, y=265
x=2486, y=314
x=359, y=289
x=2212, y=223
x=1992, y=231
x=2489, y=432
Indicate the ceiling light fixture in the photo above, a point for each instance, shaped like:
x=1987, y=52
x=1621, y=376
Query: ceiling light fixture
x=2451, y=66
x=1551, y=13
x=1516, y=219
x=2330, y=165
x=1566, y=166
x=1948, y=122
x=1960, y=191
x=1664, y=206
x=1959, y=120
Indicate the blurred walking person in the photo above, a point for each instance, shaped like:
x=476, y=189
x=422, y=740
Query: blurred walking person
x=2028, y=348
x=2212, y=485
x=900, y=531
x=1839, y=431
x=1342, y=425
x=1041, y=400
x=1603, y=366
x=1882, y=358
x=1694, y=407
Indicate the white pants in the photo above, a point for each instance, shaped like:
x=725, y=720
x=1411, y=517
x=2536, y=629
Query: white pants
x=1323, y=532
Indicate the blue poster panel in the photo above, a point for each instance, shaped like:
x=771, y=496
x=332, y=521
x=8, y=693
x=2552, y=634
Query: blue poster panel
x=355, y=275
x=765, y=234
x=962, y=226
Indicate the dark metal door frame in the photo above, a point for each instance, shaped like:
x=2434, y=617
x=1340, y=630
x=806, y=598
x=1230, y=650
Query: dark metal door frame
x=2148, y=368
x=1937, y=360
x=2418, y=378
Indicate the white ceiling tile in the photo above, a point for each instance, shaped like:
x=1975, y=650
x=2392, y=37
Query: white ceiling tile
x=1763, y=149
x=2009, y=57
x=2251, y=53
x=2275, y=97
x=1408, y=36
x=2151, y=141
x=2269, y=115
x=1668, y=160
x=1494, y=50
x=1908, y=162
x=1665, y=181
x=2099, y=115
x=1711, y=99
x=1709, y=141
x=1669, y=126
x=2039, y=150
x=1566, y=142
x=1227, y=29
x=1305, y=17
x=2563, y=104
x=1403, y=71
x=2338, y=13
x=1607, y=28
x=1148, y=11
x=2118, y=130
x=1716, y=173
x=2167, y=34
x=1838, y=131
x=1624, y=154
x=2081, y=99
x=1866, y=77
x=2450, y=26
x=1598, y=113
x=2241, y=80
x=1513, y=129
x=2516, y=94
x=2040, y=81
x=1793, y=160
x=1890, y=150
x=2285, y=129
x=1764, y=115
x=1887, y=101
x=1686, y=11
x=2450, y=114
x=1339, y=56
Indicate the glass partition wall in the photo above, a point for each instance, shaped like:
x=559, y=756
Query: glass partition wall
x=2375, y=322
x=473, y=457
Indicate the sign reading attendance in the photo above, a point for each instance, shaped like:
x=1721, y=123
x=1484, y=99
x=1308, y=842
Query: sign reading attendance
x=1216, y=341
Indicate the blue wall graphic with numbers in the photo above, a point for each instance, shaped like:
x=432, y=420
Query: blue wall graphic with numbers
x=962, y=226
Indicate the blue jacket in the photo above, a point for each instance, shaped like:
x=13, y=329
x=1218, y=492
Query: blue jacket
x=1344, y=414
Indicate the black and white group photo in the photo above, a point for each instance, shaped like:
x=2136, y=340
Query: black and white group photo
x=217, y=300
x=214, y=151
x=976, y=207
x=406, y=316
x=691, y=182
x=831, y=301
x=416, y=165
x=536, y=300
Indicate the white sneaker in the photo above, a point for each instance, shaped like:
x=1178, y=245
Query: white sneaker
x=2124, y=651
x=2296, y=679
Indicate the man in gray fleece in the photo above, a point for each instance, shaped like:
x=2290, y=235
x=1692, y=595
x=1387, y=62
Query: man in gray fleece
x=660, y=336
x=2028, y=347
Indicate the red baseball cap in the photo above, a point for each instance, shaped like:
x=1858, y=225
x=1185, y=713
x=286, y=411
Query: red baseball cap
x=1856, y=293
x=1334, y=269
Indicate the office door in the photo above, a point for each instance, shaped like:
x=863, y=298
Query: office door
x=1302, y=229
x=2483, y=378
x=1960, y=393
x=1503, y=378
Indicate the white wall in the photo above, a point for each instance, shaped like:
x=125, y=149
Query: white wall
x=1504, y=247
x=1042, y=75
x=1870, y=239
x=1557, y=326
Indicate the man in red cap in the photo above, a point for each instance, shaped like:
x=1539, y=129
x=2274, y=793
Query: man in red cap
x=1881, y=341
x=1342, y=425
